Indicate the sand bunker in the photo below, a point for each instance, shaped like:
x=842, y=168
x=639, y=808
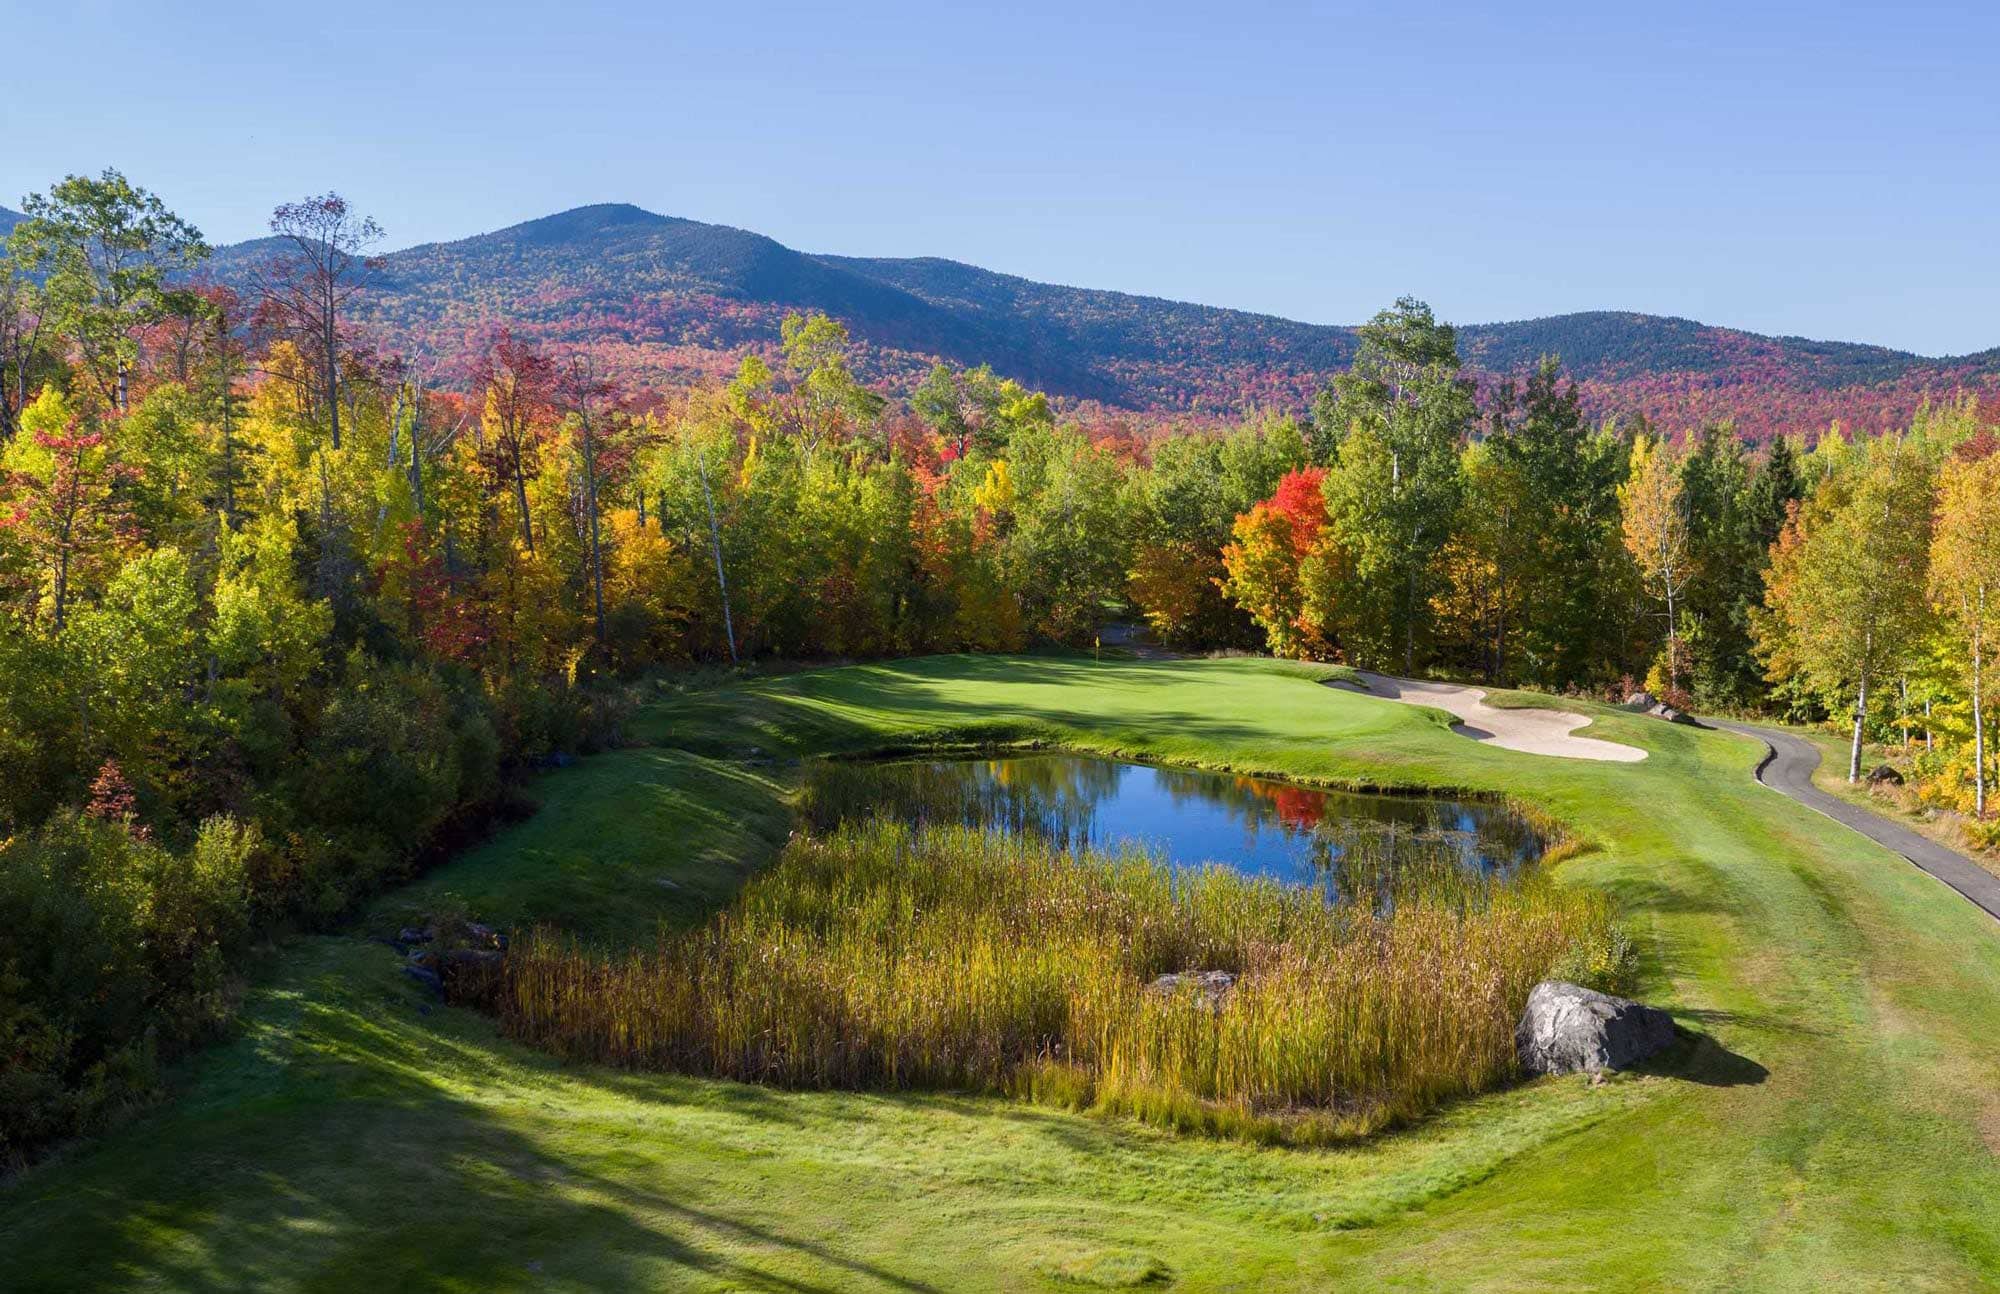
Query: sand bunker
x=1535, y=732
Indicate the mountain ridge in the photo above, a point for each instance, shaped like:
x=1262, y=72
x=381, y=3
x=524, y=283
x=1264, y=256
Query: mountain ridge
x=665, y=300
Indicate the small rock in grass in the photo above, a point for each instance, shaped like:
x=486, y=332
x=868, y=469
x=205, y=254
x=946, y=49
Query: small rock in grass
x=412, y=935
x=1884, y=775
x=460, y=959
x=1212, y=986
x=1568, y=1029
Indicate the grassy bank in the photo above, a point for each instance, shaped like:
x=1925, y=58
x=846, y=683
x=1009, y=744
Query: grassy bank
x=1832, y=1126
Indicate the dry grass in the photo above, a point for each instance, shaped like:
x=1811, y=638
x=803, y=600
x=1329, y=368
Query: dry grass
x=886, y=957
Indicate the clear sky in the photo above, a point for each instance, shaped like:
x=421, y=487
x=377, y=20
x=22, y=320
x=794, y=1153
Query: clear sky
x=1813, y=169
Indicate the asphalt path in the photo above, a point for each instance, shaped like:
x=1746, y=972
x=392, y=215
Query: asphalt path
x=1789, y=769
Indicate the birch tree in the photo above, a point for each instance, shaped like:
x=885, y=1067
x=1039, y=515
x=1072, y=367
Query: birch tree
x=1657, y=536
x=306, y=287
x=1845, y=601
x=1965, y=583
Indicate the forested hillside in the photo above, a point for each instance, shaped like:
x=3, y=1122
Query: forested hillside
x=664, y=301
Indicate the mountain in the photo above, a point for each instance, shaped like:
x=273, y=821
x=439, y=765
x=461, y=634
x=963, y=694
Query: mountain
x=8, y=219
x=663, y=300
x=666, y=299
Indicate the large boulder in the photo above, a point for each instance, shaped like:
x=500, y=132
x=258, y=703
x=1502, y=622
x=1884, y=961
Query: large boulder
x=1642, y=700
x=1885, y=775
x=1569, y=1029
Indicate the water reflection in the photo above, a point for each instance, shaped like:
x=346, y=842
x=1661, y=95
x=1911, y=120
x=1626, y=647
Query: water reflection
x=1293, y=833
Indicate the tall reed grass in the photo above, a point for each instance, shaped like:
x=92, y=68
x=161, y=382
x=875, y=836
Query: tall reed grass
x=884, y=956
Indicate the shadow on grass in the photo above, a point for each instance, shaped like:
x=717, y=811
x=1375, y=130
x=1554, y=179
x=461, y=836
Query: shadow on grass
x=1758, y=1020
x=1699, y=1058
x=846, y=711
x=347, y=1141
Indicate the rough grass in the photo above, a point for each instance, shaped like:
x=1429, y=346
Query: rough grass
x=1823, y=1131
x=884, y=957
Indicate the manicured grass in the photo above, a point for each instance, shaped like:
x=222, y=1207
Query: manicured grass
x=1832, y=1127
x=621, y=843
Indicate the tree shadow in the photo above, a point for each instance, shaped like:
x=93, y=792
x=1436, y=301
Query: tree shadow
x=324, y=1147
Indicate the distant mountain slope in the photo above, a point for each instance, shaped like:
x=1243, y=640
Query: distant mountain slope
x=663, y=300
x=1159, y=352
x=8, y=219
x=669, y=298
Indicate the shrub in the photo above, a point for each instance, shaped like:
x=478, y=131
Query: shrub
x=539, y=718
x=112, y=951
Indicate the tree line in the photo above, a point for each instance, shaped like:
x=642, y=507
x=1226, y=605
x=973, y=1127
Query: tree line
x=282, y=605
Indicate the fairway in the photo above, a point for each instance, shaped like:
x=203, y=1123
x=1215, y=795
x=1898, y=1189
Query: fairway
x=1831, y=1123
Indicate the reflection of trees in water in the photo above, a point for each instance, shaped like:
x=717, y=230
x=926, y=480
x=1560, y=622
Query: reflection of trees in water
x=1381, y=862
x=1060, y=798
x=1053, y=798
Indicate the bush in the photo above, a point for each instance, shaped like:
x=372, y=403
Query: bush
x=117, y=948
x=540, y=718
x=398, y=752
x=112, y=951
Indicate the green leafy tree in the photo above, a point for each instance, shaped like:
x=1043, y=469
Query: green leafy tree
x=105, y=250
x=827, y=403
x=1571, y=576
x=1394, y=495
x=1068, y=550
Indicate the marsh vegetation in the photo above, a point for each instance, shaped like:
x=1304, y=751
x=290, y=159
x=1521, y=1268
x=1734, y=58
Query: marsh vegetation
x=913, y=950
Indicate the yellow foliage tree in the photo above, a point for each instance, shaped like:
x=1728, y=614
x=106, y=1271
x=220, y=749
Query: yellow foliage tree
x=1656, y=534
x=1965, y=580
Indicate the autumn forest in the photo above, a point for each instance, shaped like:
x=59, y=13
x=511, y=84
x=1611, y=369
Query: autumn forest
x=288, y=606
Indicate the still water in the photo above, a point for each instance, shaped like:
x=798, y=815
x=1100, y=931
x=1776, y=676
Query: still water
x=1291, y=833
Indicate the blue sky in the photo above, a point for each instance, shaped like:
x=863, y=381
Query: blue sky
x=1785, y=168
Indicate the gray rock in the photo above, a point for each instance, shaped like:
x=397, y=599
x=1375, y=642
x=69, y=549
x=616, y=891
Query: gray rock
x=474, y=959
x=1211, y=986
x=1884, y=775
x=412, y=935
x=428, y=979
x=1642, y=700
x=1569, y=1029
x=1671, y=715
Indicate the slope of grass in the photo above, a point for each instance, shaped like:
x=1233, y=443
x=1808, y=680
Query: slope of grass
x=1832, y=1124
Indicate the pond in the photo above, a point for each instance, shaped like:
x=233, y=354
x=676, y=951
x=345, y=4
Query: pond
x=1189, y=817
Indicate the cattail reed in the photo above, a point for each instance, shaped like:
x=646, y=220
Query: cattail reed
x=885, y=956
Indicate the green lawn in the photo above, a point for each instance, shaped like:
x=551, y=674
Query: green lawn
x=1835, y=1125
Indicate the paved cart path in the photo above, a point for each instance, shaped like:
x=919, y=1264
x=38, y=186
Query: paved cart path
x=1790, y=768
